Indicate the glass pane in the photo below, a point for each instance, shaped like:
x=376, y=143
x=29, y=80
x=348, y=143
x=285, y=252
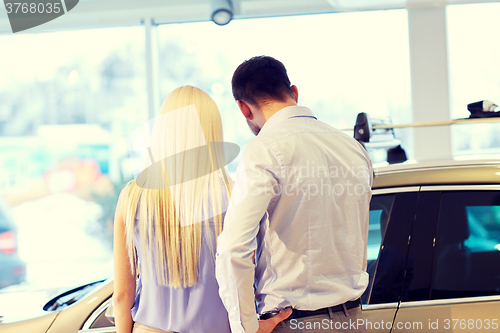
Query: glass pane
x=68, y=102
x=375, y=234
x=342, y=63
x=390, y=268
x=484, y=228
x=380, y=209
x=474, y=73
x=467, y=260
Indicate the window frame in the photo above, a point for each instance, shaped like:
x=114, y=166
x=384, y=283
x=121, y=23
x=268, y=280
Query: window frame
x=101, y=309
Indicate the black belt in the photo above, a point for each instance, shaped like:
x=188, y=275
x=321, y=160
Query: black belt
x=302, y=313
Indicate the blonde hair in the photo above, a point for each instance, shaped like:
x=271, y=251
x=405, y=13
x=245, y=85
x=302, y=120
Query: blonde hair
x=178, y=193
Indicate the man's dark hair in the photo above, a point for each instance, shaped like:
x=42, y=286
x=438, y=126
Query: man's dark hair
x=259, y=78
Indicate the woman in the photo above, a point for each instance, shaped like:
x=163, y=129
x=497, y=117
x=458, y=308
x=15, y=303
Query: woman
x=167, y=221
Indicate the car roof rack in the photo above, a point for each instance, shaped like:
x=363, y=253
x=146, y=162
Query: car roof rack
x=378, y=133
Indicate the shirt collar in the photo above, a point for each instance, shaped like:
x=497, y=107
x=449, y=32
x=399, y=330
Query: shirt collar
x=287, y=113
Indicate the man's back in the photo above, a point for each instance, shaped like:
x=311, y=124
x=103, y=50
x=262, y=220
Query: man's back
x=297, y=223
x=312, y=250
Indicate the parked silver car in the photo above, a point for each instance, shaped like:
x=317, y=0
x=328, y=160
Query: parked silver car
x=433, y=257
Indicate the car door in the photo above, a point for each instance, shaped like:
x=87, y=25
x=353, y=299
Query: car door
x=456, y=250
x=392, y=212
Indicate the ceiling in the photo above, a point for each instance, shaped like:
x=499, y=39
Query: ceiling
x=100, y=13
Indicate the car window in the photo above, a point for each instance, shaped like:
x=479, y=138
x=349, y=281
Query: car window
x=391, y=217
x=378, y=217
x=380, y=208
x=421, y=252
x=467, y=259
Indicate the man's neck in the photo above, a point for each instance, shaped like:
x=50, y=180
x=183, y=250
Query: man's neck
x=270, y=108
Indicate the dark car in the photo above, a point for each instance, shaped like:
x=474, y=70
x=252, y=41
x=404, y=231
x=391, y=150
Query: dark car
x=12, y=268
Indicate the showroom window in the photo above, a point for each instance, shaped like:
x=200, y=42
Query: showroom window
x=474, y=73
x=467, y=257
x=68, y=102
x=342, y=63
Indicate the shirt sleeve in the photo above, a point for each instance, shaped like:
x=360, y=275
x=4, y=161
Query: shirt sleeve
x=256, y=181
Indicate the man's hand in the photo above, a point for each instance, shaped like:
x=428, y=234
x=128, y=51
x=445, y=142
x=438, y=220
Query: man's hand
x=268, y=325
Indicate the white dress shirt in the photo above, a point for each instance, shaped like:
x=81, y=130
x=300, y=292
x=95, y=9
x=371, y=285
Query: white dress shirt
x=301, y=202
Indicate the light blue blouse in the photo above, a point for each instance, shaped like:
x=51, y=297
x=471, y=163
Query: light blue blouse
x=196, y=309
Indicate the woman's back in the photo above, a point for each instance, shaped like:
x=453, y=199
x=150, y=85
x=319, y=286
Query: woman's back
x=169, y=217
x=186, y=309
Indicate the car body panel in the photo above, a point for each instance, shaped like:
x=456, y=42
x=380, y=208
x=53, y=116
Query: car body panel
x=73, y=318
x=487, y=172
x=378, y=313
x=34, y=325
x=448, y=315
x=434, y=179
x=69, y=319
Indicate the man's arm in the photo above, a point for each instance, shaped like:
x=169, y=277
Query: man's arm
x=255, y=182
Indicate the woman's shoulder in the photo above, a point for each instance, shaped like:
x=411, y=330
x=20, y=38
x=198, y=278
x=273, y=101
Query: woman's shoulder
x=125, y=194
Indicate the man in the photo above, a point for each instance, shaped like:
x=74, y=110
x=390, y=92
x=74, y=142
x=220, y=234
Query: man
x=297, y=225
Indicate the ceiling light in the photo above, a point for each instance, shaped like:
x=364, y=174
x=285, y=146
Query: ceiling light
x=222, y=11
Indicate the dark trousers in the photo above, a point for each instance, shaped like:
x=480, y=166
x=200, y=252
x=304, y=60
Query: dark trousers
x=332, y=322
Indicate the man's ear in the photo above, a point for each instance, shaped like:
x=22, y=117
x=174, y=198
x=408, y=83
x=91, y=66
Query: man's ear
x=245, y=109
x=295, y=92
